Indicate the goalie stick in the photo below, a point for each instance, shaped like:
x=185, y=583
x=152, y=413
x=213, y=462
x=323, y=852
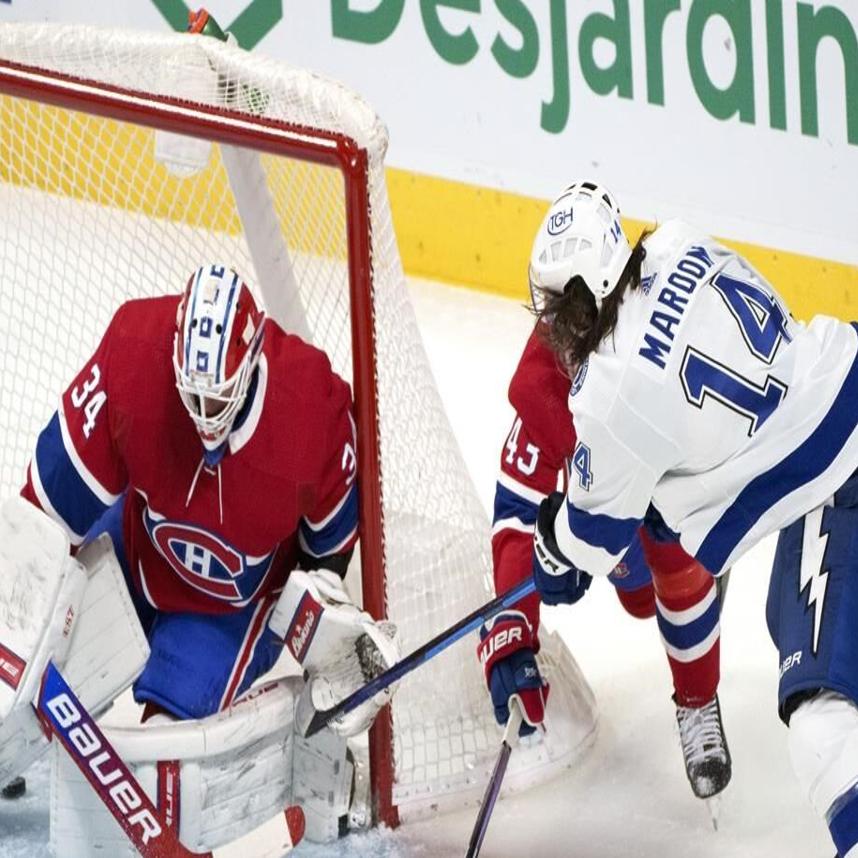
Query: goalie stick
x=151, y=830
x=493, y=787
x=421, y=655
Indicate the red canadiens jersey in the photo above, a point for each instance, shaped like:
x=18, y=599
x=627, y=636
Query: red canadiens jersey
x=532, y=463
x=201, y=538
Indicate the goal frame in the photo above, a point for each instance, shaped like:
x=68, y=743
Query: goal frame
x=279, y=138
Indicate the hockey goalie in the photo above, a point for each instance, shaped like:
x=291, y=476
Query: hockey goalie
x=190, y=512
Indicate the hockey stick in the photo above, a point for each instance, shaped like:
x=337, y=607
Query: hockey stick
x=421, y=655
x=151, y=831
x=493, y=787
x=68, y=720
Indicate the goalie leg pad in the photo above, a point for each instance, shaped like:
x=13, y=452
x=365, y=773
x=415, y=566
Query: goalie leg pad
x=322, y=782
x=22, y=742
x=216, y=778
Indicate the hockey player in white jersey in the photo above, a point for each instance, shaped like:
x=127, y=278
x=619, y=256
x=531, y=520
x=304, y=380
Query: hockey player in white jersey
x=698, y=395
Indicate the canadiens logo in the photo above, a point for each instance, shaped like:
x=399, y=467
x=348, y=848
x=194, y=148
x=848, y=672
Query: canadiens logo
x=200, y=558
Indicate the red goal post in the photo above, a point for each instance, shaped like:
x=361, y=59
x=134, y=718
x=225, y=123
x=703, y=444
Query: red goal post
x=292, y=191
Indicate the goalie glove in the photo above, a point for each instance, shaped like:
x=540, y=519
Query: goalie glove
x=340, y=647
x=558, y=580
x=507, y=650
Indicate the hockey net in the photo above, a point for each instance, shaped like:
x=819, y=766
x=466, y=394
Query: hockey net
x=278, y=173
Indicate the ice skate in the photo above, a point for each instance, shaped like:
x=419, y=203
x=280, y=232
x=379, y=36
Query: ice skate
x=704, y=748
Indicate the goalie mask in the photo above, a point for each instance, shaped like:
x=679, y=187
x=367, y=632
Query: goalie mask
x=580, y=236
x=216, y=348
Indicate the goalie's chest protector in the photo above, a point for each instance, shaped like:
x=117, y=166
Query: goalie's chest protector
x=212, y=538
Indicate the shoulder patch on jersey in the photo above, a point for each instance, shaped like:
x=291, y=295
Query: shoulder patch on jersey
x=621, y=570
x=580, y=375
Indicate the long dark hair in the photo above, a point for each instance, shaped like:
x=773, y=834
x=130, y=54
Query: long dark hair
x=572, y=325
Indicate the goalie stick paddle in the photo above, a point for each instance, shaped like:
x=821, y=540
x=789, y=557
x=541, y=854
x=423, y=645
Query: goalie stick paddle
x=151, y=830
x=421, y=655
x=151, y=834
x=493, y=787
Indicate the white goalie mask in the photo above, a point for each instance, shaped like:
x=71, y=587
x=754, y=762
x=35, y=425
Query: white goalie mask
x=580, y=236
x=219, y=331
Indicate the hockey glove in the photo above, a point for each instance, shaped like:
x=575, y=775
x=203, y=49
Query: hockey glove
x=507, y=652
x=558, y=580
x=339, y=646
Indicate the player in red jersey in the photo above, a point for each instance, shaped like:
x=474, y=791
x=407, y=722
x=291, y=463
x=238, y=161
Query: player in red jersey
x=655, y=578
x=218, y=452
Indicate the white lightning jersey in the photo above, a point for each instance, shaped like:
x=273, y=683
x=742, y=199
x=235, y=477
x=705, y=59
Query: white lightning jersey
x=711, y=402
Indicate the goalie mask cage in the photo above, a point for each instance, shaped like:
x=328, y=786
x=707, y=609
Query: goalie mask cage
x=127, y=159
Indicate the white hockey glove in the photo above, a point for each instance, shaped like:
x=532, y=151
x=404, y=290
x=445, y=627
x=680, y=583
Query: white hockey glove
x=41, y=588
x=340, y=647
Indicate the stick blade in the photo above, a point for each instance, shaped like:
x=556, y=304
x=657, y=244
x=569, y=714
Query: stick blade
x=318, y=722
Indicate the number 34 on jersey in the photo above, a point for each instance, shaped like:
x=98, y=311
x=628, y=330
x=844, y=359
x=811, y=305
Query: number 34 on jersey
x=90, y=397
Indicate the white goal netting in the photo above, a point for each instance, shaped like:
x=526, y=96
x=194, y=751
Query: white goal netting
x=95, y=210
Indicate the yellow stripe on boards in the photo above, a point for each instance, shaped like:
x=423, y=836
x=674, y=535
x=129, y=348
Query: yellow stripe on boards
x=79, y=156
x=481, y=238
x=446, y=230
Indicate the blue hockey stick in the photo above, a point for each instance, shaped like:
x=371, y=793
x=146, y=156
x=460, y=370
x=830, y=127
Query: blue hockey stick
x=493, y=787
x=421, y=655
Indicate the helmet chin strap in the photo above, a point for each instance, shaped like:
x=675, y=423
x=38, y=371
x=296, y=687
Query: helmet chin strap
x=212, y=458
x=204, y=463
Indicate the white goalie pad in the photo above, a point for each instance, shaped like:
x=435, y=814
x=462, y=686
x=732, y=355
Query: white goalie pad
x=340, y=647
x=106, y=652
x=109, y=649
x=322, y=783
x=223, y=776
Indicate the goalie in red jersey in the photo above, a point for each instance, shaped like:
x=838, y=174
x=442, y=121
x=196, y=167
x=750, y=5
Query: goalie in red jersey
x=218, y=452
x=655, y=578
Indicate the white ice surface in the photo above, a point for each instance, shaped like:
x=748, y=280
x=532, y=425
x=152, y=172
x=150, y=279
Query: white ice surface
x=629, y=797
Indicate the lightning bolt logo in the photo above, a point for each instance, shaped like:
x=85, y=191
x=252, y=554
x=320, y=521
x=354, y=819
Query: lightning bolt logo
x=813, y=575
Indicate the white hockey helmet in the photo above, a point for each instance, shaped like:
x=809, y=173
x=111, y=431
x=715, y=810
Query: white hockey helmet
x=580, y=236
x=216, y=348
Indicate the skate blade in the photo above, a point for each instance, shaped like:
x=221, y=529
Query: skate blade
x=713, y=805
